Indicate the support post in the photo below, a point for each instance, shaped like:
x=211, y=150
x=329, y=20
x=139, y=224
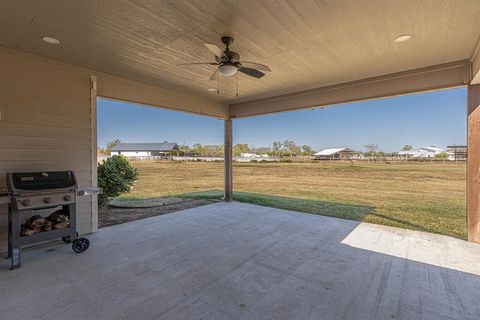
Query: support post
x=228, y=162
x=93, y=124
x=473, y=164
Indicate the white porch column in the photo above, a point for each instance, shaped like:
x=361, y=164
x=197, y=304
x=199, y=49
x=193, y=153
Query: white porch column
x=228, y=162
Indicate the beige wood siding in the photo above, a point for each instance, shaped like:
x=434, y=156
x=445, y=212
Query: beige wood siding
x=46, y=118
x=45, y=125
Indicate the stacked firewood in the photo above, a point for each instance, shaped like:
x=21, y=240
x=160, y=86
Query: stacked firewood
x=57, y=220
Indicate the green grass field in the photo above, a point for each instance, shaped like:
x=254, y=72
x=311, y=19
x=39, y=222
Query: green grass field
x=421, y=196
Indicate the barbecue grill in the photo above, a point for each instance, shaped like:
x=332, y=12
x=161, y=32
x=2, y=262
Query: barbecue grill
x=36, y=192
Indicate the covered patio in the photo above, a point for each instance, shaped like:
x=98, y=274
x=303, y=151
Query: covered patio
x=57, y=59
x=230, y=260
x=241, y=261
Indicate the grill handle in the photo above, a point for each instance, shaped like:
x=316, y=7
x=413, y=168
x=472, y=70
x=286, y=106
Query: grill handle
x=88, y=191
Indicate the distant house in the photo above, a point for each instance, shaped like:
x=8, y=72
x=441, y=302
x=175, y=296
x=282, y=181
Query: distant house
x=457, y=152
x=142, y=150
x=422, y=153
x=336, y=154
x=253, y=155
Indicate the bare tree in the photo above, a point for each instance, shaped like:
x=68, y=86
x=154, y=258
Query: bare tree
x=277, y=146
x=110, y=145
x=307, y=150
x=372, y=149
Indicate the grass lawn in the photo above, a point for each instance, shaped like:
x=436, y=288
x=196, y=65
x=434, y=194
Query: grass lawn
x=420, y=196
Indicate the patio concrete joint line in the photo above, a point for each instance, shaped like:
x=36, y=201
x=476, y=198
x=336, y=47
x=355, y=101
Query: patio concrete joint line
x=442, y=76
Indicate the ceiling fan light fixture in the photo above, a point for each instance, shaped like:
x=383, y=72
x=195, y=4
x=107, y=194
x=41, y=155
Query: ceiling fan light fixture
x=227, y=69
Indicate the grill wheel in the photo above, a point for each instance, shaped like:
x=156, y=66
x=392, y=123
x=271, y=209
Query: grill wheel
x=80, y=245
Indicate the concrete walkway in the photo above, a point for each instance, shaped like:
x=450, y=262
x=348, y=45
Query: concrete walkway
x=240, y=261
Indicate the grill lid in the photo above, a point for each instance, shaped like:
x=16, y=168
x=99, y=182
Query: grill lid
x=37, y=181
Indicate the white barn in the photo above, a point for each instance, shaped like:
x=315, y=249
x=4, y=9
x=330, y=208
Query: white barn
x=253, y=155
x=335, y=154
x=139, y=150
x=422, y=153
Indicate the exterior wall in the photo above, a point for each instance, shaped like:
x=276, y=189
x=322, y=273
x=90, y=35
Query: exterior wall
x=47, y=120
x=45, y=124
x=337, y=156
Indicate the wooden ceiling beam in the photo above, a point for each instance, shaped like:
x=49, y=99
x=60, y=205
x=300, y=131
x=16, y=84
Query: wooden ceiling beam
x=476, y=64
x=116, y=88
x=431, y=78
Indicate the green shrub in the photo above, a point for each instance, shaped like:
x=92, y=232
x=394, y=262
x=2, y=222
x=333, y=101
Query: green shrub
x=115, y=176
x=441, y=156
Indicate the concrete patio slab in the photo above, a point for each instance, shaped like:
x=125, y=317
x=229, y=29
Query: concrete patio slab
x=240, y=261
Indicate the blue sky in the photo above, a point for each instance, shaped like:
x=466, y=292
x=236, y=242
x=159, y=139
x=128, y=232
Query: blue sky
x=430, y=119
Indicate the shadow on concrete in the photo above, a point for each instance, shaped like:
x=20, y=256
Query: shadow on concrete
x=324, y=208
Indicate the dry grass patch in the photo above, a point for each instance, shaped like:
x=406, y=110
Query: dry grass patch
x=421, y=196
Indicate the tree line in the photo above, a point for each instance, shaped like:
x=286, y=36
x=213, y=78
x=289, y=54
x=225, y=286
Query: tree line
x=282, y=149
x=286, y=148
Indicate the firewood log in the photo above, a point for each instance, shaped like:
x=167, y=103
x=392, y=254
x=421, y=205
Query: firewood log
x=36, y=221
x=35, y=224
x=30, y=231
x=61, y=225
x=47, y=226
x=58, y=216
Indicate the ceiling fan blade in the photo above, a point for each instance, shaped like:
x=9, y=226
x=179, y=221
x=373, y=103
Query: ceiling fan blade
x=194, y=63
x=254, y=65
x=215, y=50
x=214, y=75
x=252, y=72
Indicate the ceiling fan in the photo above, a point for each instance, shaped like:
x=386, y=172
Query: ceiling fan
x=229, y=62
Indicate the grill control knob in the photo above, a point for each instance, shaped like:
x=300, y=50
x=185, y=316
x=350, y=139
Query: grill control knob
x=26, y=202
x=47, y=200
x=67, y=197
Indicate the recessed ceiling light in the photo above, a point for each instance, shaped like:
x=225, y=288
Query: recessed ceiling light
x=51, y=40
x=402, y=38
x=211, y=89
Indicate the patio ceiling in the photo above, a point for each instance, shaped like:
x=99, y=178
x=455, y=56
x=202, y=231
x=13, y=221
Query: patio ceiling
x=309, y=45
